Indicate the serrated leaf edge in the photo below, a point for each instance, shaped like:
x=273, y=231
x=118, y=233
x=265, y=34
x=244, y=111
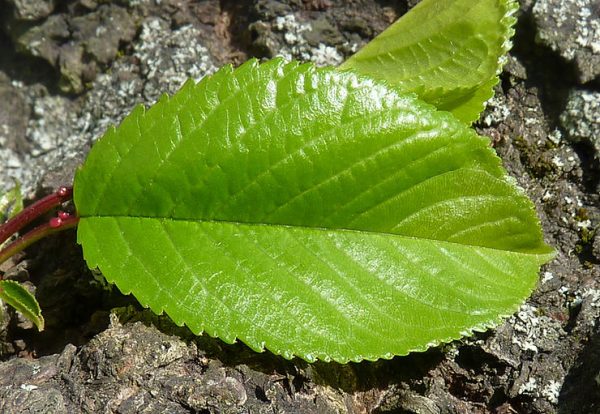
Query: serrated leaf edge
x=508, y=21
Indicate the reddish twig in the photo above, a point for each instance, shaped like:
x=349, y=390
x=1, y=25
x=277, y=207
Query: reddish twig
x=60, y=222
x=34, y=211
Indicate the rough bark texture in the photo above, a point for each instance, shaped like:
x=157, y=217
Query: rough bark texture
x=68, y=69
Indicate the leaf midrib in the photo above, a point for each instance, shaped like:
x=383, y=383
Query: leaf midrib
x=311, y=228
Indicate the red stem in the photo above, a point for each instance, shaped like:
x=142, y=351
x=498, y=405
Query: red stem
x=54, y=225
x=34, y=211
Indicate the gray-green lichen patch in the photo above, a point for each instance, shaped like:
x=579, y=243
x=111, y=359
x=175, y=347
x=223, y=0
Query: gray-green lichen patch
x=581, y=117
x=187, y=58
x=289, y=37
x=571, y=28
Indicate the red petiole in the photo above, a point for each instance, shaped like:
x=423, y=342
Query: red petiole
x=61, y=221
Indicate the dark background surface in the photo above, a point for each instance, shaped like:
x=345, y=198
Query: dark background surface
x=70, y=69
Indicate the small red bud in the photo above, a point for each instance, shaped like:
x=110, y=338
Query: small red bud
x=63, y=191
x=63, y=215
x=55, y=222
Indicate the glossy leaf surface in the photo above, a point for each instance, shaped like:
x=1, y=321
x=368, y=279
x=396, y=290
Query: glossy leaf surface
x=22, y=300
x=308, y=211
x=448, y=52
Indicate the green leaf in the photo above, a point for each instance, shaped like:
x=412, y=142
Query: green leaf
x=448, y=52
x=23, y=301
x=11, y=202
x=309, y=211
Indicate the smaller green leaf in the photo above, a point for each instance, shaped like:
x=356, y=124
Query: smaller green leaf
x=448, y=52
x=11, y=202
x=22, y=300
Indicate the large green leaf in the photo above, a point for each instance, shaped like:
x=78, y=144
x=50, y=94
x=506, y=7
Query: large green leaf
x=308, y=211
x=449, y=52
